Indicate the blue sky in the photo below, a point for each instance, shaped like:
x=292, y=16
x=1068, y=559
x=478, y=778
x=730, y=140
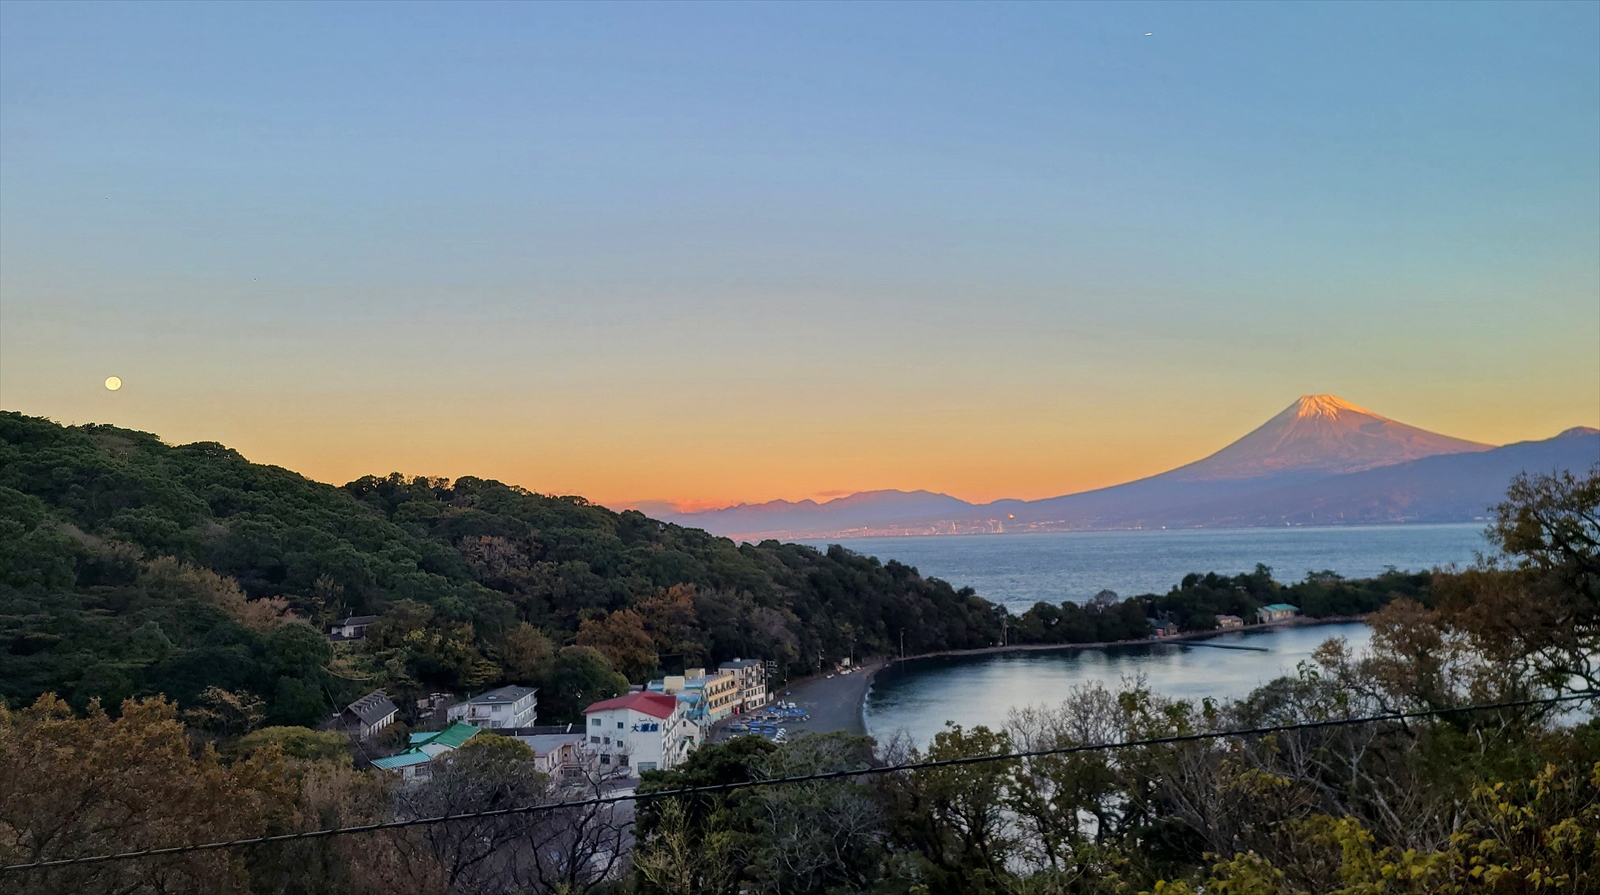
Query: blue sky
x=750, y=251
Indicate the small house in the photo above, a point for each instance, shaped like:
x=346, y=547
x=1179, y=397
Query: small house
x=416, y=762
x=558, y=754
x=1277, y=612
x=1229, y=621
x=369, y=714
x=1160, y=628
x=352, y=628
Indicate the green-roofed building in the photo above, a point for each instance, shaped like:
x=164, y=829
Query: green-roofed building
x=1277, y=612
x=414, y=763
x=452, y=737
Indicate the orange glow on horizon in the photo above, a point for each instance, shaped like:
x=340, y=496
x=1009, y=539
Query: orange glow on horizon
x=674, y=464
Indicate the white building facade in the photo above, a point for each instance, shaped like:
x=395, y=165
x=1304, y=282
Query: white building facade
x=497, y=709
x=639, y=732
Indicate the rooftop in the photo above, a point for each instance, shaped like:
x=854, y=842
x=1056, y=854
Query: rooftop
x=503, y=696
x=372, y=708
x=540, y=730
x=1280, y=607
x=403, y=760
x=452, y=736
x=546, y=743
x=657, y=705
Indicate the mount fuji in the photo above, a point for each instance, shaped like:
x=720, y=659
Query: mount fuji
x=1323, y=434
x=1321, y=461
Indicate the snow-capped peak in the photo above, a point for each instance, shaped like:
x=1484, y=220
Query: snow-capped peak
x=1329, y=406
x=1322, y=434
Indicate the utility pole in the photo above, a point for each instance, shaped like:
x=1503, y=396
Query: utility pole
x=902, y=644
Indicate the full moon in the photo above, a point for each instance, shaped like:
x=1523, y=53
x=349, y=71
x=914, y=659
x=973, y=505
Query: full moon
x=113, y=382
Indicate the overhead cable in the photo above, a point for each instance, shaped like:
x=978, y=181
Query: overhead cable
x=783, y=781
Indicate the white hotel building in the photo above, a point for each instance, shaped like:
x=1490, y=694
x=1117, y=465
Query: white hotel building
x=639, y=732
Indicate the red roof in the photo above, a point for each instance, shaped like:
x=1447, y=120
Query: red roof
x=658, y=705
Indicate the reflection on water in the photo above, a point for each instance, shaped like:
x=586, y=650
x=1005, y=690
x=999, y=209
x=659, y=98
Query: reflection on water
x=921, y=695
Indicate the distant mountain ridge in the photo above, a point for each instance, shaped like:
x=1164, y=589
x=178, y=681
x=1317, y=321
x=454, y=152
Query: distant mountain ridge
x=1322, y=460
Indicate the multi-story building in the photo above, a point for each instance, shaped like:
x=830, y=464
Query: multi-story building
x=722, y=693
x=639, y=732
x=505, y=707
x=711, y=697
x=752, y=678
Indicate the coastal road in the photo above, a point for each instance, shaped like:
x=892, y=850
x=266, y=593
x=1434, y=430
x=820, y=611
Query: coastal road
x=833, y=703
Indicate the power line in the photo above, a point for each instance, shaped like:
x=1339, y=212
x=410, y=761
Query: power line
x=781, y=781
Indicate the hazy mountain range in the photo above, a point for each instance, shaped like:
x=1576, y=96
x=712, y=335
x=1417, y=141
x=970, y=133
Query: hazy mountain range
x=1322, y=461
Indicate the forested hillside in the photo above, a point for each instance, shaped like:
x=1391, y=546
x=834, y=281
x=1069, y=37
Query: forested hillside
x=131, y=567
x=1487, y=787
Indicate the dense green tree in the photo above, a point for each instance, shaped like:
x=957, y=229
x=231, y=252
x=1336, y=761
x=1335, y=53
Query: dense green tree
x=580, y=676
x=132, y=567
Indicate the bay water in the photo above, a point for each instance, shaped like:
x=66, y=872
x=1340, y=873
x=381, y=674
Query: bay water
x=1020, y=570
x=919, y=696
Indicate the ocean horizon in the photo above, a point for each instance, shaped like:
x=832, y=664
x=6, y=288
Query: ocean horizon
x=1018, y=570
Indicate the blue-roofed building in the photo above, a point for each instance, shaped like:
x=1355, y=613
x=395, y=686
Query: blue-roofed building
x=409, y=765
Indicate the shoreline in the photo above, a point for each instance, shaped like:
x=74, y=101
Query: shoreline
x=839, y=703
x=1176, y=638
x=835, y=703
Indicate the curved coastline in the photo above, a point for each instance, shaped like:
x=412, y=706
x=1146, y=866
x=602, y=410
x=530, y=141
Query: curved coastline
x=839, y=703
x=1190, y=637
x=836, y=703
x=921, y=696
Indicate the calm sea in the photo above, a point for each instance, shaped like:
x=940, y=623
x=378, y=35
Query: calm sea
x=1020, y=570
x=919, y=696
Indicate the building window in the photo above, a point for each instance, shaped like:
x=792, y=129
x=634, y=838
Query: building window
x=595, y=740
x=605, y=759
x=619, y=725
x=596, y=722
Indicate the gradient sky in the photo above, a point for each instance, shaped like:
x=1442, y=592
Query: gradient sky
x=738, y=252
